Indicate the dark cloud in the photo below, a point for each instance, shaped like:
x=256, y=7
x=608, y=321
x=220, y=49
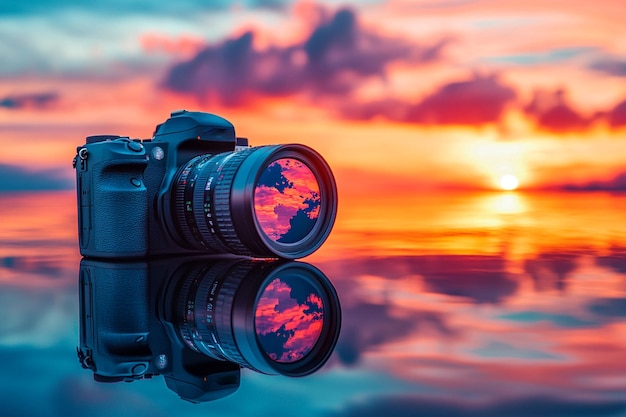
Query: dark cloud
x=336, y=58
x=480, y=279
x=551, y=112
x=617, y=184
x=611, y=66
x=550, y=270
x=617, y=116
x=473, y=102
x=17, y=178
x=609, y=307
x=476, y=101
x=35, y=100
x=399, y=406
x=366, y=325
x=615, y=260
x=44, y=267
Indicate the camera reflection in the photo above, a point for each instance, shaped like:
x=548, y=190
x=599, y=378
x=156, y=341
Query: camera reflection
x=198, y=320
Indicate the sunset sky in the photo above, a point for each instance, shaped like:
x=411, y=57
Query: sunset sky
x=397, y=95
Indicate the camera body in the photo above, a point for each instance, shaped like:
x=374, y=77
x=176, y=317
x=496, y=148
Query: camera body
x=196, y=320
x=127, y=331
x=123, y=185
x=196, y=187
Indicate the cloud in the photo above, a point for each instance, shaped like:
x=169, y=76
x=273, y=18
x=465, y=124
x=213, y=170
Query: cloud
x=550, y=270
x=611, y=66
x=615, y=260
x=472, y=102
x=618, y=183
x=609, y=307
x=384, y=325
x=34, y=100
x=476, y=101
x=17, y=178
x=333, y=61
x=481, y=279
x=46, y=268
x=617, y=116
x=551, y=112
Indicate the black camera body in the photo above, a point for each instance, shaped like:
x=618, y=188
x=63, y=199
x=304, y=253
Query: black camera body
x=126, y=334
x=196, y=187
x=121, y=183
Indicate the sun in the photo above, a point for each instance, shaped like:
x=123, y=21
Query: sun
x=509, y=182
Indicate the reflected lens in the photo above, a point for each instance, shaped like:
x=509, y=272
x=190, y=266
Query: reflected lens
x=269, y=201
x=287, y=200
x=289, y=318
x=273, y=317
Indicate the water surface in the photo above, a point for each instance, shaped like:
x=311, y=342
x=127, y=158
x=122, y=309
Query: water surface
x=486, y=304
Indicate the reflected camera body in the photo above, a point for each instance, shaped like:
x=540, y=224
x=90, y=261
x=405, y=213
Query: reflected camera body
x=196, y=320
x=196, y=187
x=127, y=341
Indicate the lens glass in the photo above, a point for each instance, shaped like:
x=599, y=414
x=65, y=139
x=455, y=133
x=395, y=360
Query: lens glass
x=287, y=200
x=289, y=318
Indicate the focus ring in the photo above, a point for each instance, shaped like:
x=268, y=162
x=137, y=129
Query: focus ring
x=203, y=206
x=221, y=202
x=208, y=292
x=184, y=308
x=179, y=202
x=225, y=305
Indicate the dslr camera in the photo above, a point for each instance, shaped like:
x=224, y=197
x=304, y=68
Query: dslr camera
x=196, y=187
x=197, y=320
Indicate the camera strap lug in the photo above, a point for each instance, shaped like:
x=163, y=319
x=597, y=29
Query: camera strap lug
x=81, y=153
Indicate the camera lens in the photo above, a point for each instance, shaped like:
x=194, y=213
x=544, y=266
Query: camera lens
x=288, y=319
x=268, y=201
x=287, y=200
x=272, y=317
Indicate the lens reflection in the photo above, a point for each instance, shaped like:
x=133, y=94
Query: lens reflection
x=289, y=318
x=287, y=200
x=273, y=317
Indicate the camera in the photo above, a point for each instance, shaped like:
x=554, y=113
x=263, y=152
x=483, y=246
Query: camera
x=197, y=320
x=195, y=187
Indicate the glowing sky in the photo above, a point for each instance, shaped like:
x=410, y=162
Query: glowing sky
x=419, y=94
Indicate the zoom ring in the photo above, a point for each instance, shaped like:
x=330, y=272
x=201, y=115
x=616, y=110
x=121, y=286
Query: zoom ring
x=185, y=186
x=183, y=308
x=179, y=201
x=208, y=293
x=225, y=305
x=203, y=207
x=221, y=203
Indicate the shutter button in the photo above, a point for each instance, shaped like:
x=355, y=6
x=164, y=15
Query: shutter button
x=134, y=146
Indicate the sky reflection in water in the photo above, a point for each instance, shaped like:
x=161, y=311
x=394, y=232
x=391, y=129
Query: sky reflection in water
x=458, y=304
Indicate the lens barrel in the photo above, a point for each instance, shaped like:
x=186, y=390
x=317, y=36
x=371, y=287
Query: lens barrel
x=268, y=201
x=272, y=317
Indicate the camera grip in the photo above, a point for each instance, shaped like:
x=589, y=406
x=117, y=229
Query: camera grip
x=120, y=209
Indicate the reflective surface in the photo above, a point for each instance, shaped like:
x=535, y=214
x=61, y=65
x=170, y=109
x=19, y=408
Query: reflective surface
x=493, y=304
x=289, y=318
x=287, y=200
x=195, y=320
